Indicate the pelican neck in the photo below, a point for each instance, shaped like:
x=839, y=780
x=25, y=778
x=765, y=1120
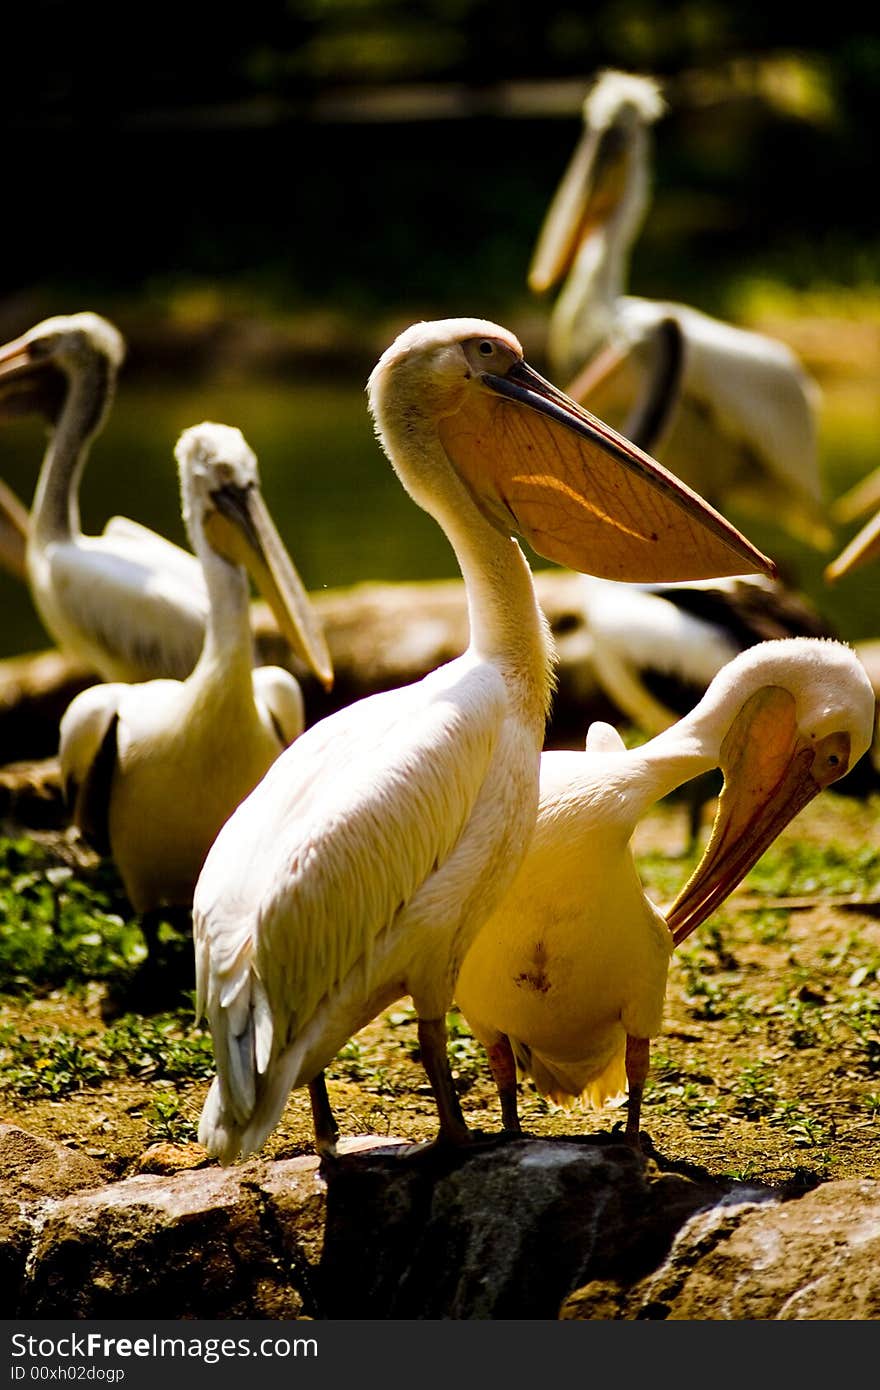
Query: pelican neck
x=55, y=511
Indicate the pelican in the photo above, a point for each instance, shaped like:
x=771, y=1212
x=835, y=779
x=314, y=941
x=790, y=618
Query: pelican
x=128, y=604
x=863, y=549
x=153, y=770
x=567, y=978
x=654, y=649
x=360, y=867
x=745, y=428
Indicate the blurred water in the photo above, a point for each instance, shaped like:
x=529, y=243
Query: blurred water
x=333, y=494
x=335, y=499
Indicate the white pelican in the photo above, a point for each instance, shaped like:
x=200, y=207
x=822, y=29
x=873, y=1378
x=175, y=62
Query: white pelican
x=656, y=647
x=864, y=549
x=568, y=976
x=361, y=866
x=153, y=770
x=128, y=604
x=745, y=429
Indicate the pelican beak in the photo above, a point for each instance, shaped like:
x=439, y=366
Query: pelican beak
x=863, y=497
x=242, y=531
x=582, y=494
x=591, y=188
x=770, y=773
x=15, y=358
x=861, y=550
x=28, y=384
x=14, y=527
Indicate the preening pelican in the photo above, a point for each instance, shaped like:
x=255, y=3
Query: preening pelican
x=568, y=976
x=656, y=647
x=128, y=604
x=359, y=869
x=745, y=429
x=153, y=770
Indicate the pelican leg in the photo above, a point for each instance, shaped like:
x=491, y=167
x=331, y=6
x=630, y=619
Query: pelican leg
x=638, y=1060
x=435, y=1060
x=323, y=1119
x=503, y=1067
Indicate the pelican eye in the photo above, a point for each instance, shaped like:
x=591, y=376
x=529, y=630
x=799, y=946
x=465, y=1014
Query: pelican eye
x=486, y=348
x=832, y=758
x=42, y=347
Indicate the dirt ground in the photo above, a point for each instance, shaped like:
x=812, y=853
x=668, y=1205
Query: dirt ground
x=768, y=1066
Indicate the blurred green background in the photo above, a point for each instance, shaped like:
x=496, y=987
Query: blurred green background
x=261, y=198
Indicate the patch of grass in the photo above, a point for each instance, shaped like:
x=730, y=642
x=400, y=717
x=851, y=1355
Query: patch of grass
x=58, y=928
x=663, y=876
x=166, y=1120
x=755, y=1095
x=770, y=926
x=863, y=1017
x=798, y=866
x=55, y=1062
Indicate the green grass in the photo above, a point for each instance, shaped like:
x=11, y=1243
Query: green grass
x=58, y=928
x=56, y=1062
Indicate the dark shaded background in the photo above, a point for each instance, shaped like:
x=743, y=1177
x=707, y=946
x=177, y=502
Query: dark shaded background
x=249, y=146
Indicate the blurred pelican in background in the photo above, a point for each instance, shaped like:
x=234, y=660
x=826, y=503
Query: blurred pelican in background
x=153, y=770
x=567, y=978
x=362, y=865
x=745, y=430
x=654, y=649
x=127, y=604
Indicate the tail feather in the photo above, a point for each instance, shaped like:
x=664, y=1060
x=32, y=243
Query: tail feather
x=569, y=1084
x=228, y=1132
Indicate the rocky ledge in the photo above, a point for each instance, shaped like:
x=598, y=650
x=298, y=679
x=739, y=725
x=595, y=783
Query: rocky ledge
x=515, y=1228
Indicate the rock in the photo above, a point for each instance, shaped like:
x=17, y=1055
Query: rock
x=171, y=1158
x=505, y=1232
x=384, y=1231
x=33, y=1169
x=813, y=1258
x=195, y=1244
x=513, y=1228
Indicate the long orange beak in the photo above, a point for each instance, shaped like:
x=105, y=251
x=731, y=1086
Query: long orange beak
x=15, y=357
x=14, y=527
x=28, y=384
x=770, y=773
x=863, y=497
x=862, y=549
x=241, y=529
x=582, y=494
x=590, y=190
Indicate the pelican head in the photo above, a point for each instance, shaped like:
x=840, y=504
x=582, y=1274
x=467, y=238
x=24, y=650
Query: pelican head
x=535, y=462
x=37, y=369
x=791, y=717
x=221, y=501
x=607, y=175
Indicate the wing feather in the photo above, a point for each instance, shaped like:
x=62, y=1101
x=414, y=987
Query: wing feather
x=141, y=620
x=323, y=856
